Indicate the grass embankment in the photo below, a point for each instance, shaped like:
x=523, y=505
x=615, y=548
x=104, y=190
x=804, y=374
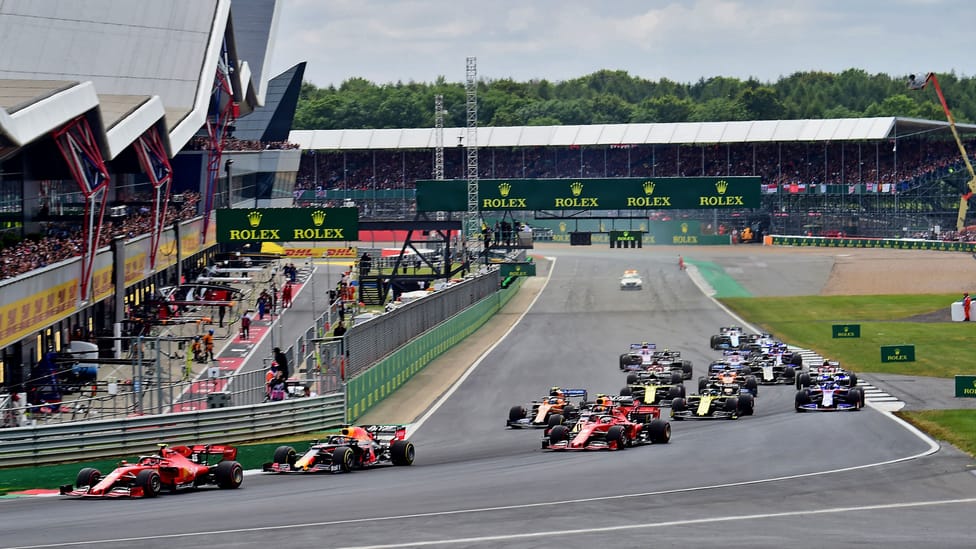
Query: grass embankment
x=942, y=349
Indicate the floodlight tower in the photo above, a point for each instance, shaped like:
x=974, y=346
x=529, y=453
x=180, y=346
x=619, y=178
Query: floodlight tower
x=471, y=226
x=917, y=82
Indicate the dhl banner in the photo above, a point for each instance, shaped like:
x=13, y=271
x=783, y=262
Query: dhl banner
x=301, y=251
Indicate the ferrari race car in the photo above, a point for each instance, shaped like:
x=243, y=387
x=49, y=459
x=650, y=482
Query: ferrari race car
x=829, y=397
x=631, y=280
x=353, y=448
x=172, y=469
x=715, y=402
x=613, y=424
x=645, y=357
x=653, y=388
x=560, y=406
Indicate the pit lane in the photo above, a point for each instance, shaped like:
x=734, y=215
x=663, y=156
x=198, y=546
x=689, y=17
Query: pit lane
x=754, y=482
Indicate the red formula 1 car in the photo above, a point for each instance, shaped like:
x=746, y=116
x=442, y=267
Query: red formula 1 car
x=619, y=424
x=171, y=469
x=353, y=448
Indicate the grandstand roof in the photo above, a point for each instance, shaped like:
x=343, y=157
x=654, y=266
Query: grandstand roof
x=756, y=131
x=127, y=64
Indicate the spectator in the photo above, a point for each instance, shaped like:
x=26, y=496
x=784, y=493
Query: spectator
x=966, y=304
x=245, y=326
x=286, y=296
x=282, y=361
x=278, y=388
x=340, y=330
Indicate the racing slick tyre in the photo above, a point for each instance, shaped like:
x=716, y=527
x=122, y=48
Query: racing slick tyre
x=625, y=360
x=702, y=383
x=853, y=377
x=516, y=413
x=631, y=379
x=659, y=431
x=789, y=374
x=343, y=457
x=802, y=398
x=555, y=419
x=803, y=380
x=747, y=405
x=284, y=455
x=752, y=385
x=87, y=477
x=676, y=377
x=569, y=412
x=617, y=436
x=676, y=391
x=149, y=481
x=797, y=360
x=732, y=407
x=626, y=392
x=678, y=405
x=402, y=452
x=686, y=369
x=715, y=341
x=856, y=397
x=558, y=433
x=229, y=474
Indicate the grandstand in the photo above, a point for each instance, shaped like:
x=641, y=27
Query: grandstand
x=872, y=177
x=116, y=145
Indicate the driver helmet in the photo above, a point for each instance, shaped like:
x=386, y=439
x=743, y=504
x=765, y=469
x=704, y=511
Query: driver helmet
x=555, y=391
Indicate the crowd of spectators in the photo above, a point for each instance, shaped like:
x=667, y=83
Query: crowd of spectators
x=878, y=166
x=234, y=144
x=61, y=241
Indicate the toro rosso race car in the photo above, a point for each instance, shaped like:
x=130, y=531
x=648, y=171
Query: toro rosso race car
x=353, y=448
x=613, y=424
x=552, y=410
x=717, y=401
x=172, y=469
x=829, y=397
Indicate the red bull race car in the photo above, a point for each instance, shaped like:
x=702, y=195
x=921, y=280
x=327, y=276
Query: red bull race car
x=173, y=469
x=560, y=406
x=352, y=448
x=611, y=424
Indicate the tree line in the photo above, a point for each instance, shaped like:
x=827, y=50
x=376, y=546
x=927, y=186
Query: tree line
x=616, y=97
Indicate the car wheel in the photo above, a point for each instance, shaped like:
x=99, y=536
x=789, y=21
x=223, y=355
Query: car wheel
x=715, y=341
x=402, y=452
x=853, y=377
x=284, y=455
x=802, y=398
x=732, y=407
x=87, y=477
x=752, y=385
x=797, y=360
x=558, y=433
x=626, y=392
x=789, y=373
x=617, y=435
x=803, y=380
x=659, y=431
x=624, y=361
x=569, y=412
x=686, y=369
x=747, y=405
x=631, y=379
x=229, y=474
x=676, y=377
x=149, y=481
x=702, y=383
x=555, y=419
x=676, y=391
x=342, y=456
x=516, y=413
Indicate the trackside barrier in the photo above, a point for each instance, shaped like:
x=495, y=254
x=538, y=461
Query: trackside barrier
x=883, y=243
x=379, y=381
x=90, y=440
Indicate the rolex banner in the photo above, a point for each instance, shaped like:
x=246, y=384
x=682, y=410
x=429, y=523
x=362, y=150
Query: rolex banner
x=655, y=193
x=287, y=224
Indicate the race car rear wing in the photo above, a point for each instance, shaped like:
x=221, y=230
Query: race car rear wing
x=386, y=432
x=635, y=346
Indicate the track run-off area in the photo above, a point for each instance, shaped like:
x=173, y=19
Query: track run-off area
x=774, y=479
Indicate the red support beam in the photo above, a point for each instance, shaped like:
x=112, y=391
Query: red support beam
x=224, y=110
x=78, y=146
x=155, y=163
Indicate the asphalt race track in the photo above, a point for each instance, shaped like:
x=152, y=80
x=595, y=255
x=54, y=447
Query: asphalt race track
x=776, y=479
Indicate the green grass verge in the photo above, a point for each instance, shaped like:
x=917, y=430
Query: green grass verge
x=957, y=427
x=942, y=349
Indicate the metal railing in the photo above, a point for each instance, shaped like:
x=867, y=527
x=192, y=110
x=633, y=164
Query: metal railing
x=80, y=441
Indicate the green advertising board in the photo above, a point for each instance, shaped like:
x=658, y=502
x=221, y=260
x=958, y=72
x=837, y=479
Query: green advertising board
x=287, y=224
x=655, y=193
x=966, y=386
x=846, y=331
x=523, y=268
x=897, y=353
x=626, y=239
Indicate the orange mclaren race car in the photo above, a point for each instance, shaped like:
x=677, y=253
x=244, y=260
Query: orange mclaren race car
x=561, y=406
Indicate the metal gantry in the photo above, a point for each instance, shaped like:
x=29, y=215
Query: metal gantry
x=472, y=227
x=438, y=137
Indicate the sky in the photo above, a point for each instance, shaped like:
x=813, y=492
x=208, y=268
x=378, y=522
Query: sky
x=389, y=41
